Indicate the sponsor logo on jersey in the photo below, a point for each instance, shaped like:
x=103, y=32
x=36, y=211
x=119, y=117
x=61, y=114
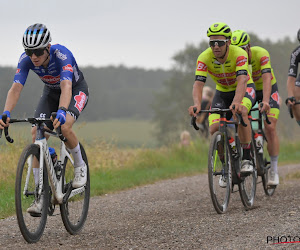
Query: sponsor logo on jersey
x=275, y=97
x=68, y=67
x=251, y=92
x=222, y=75
x=201, y=66
x=241, y=60
x=18, y=71
x=227, y=81
x=60, y=55
x=80, y=101
x=264, y=60
x=50, y=79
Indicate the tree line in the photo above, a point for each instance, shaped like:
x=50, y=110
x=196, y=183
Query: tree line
x=160, y=95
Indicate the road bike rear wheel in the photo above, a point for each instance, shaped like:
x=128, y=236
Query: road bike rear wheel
x=74, y=211
x=247, y=187
x=219, y=167
x=31, y=226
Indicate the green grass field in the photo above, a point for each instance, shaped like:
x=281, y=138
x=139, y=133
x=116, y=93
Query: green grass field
x=121, y=155
x=123, y=133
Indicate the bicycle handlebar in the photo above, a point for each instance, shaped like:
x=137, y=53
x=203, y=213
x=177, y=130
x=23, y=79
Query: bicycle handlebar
x=58, y=132
x=217, y=111
x=291, y=110
x=264, y=114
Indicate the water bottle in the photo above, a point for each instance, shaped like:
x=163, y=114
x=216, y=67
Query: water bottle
x=259, y=142
x=232, y=144
x=53, y=155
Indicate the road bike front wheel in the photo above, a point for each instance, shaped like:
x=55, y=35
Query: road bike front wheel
x=26, y=192
x=74, y=211
x=219, y=172
x=247, y=187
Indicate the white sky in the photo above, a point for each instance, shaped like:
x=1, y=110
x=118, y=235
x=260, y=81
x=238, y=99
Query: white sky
x=138, y=33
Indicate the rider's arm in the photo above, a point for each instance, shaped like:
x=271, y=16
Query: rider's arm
x=290, y=85
x=267, y=86
x=13, y=96
x=197, y=92
x=240, y=89
x=66, y=93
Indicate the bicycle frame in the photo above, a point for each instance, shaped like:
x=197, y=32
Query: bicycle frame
x=56, y=184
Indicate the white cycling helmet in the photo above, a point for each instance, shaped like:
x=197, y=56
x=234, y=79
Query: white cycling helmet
x=36, y=36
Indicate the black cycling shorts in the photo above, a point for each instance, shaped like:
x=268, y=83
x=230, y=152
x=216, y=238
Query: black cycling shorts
x=49, y=102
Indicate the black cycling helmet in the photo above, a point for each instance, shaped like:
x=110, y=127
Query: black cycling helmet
x=298, y=35
x=36, y=36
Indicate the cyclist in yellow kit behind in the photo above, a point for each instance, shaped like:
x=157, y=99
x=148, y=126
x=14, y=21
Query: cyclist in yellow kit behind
x=266, y=93
x=228, y=67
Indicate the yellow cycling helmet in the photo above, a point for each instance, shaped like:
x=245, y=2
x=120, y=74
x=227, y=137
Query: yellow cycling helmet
x=240, y=38
x=219, y=29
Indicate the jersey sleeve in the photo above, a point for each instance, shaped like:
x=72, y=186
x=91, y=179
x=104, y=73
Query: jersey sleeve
x=242, y=63
x=64, y=60
x=22, y=70
x=264, y=60
x=294, y=61
x=201, y=70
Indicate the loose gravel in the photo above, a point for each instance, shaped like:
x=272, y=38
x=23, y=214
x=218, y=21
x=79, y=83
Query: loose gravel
x=175, y=214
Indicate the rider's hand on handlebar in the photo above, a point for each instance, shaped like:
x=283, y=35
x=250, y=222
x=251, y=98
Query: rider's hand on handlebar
x=290, y=101
x=191, y=110
x=236, y=108
x=264, y=107
x=2, y=124
x=60, y=118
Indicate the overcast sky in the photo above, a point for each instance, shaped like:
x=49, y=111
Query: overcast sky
x=138, y=33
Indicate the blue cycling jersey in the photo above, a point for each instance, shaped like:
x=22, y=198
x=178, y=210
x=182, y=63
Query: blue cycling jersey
x=62, y=66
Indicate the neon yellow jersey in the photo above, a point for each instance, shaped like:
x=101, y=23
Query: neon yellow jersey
x=261, y=63
x=224, y=75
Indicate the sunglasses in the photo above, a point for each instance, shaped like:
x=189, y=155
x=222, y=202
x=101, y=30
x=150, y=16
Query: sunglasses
x=218, y=43
x=244, y=47
x=37, y=52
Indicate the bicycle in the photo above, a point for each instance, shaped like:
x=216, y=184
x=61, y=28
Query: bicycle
x=74, y=203
x=224, y=162
x=262, y=159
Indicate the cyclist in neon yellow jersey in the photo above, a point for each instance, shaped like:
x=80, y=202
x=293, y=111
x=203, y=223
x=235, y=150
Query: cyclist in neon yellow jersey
x=266, y=93
x=228, y=67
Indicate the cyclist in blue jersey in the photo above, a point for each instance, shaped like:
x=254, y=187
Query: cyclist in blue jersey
x=65, y=92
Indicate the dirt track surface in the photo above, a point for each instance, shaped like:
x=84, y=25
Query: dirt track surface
x=174, y=214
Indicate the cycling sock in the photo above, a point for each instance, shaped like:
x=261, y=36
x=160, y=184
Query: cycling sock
x=76, y=153
x=298, y=123
x=36, y=173
x=274, y=161
x=246, y=151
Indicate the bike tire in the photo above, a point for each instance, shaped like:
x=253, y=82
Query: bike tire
x=247, y=187
x=74, y=211
x=31, y=227
x=219, y=168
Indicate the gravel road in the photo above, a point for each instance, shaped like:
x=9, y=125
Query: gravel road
x=175, y=214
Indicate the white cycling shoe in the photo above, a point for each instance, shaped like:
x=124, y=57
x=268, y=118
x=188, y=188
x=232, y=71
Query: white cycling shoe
x=35, y=208
x=80, y=176
x=246, y=167
x=273, y=178
x=222, y=182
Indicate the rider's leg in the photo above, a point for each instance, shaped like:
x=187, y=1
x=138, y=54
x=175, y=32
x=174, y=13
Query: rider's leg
x=80, y=171
x=296, y=108
x=273, y=149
